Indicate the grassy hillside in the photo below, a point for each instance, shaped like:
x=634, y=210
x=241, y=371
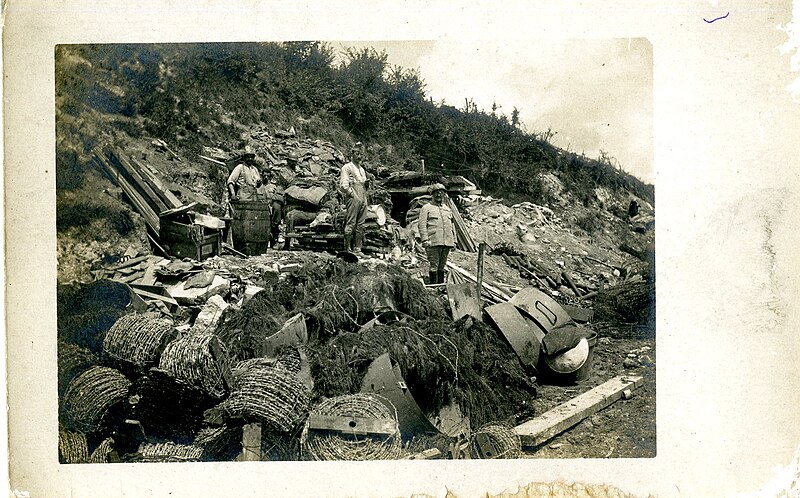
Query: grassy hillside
x=194, y=95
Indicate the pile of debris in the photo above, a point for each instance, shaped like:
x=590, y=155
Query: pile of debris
x=207, y=356
x=297, y=355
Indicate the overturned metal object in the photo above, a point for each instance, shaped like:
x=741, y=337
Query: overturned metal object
x=385, y=379
x=544, y=310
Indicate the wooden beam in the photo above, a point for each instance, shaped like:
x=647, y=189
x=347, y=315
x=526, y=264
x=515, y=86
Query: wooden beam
x=497, y=293
x=251, y=443
x=426, y=455
x=152, y=295
x=365, y=426
x=130, y=262
x=542, y=428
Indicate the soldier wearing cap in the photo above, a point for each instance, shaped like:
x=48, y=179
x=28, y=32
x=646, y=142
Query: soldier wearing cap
x=437, y=232
x=353, y=182
x=275, y=196
x=244, y=182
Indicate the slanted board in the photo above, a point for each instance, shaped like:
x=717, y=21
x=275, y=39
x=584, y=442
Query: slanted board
x=537, y=431
x=544, y=310
x=362, y=426
x=152, y=295
x=293, y=333
x=464, y=300
x=386, y=379
x=519, y=333
x=580, y=315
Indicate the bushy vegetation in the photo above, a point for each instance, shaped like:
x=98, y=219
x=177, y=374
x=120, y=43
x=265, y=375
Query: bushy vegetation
x=183, y=93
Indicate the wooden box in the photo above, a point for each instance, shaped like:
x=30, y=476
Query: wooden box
x=181, y=238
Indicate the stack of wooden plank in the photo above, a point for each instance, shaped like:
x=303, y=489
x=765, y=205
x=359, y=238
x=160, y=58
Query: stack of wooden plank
x=141, y=185
x=463, y=239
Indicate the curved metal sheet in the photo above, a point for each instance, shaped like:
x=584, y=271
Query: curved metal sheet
x=544, y=310
x=385, y=379
x=521, y=335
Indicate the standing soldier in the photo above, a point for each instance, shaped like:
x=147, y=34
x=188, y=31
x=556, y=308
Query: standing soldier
x=249, y=229
x=437, y=232
x=275, y=197
x=353, y=181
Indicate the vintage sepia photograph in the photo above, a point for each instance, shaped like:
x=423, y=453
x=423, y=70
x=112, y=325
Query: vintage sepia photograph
x=390, y=249
x=353, y=250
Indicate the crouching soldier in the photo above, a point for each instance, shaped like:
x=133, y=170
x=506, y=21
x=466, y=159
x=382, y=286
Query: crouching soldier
x=437, y=232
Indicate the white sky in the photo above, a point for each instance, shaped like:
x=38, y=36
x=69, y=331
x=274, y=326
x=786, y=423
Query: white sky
x=595, y=94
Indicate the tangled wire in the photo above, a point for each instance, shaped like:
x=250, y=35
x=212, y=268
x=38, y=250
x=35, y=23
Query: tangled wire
x=92, y=394
x=502, y=438
x=352, y=446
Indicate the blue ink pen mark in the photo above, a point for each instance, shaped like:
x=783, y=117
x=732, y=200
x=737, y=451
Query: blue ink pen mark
x=716, y=19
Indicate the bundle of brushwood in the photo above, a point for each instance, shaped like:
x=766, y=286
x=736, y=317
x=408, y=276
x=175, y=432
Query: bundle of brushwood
x=92, y=394
x=442, y=362
x=168, y=452
x=336, y=445
x=72, y=447
x=333, y=296
x=244, y=329
x=628, y=303
x=272, y=395
x=199, y=359
x=351, y=301
x=138, y=340
x=281, y=446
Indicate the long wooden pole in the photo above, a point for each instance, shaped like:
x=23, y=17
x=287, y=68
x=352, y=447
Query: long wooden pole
x=479, y=272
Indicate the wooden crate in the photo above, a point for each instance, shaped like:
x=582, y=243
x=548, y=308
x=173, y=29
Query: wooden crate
x=189, y=240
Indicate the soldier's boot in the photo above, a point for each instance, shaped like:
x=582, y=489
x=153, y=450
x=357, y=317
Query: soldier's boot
x=357, y=242
x=348, y=242
x=433, y=277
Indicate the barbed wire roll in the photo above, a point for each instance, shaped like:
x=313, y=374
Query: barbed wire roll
x=341, y=446
x=72, y=360
x=168, y=452
x=272, y=395
x=137, y=339
x=502, y=438
x=289, y=358
x=192, y=360
x=102, y=454
x=72, y=447
x=91, y=394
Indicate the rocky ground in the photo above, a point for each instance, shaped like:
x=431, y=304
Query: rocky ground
x=596, y=246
